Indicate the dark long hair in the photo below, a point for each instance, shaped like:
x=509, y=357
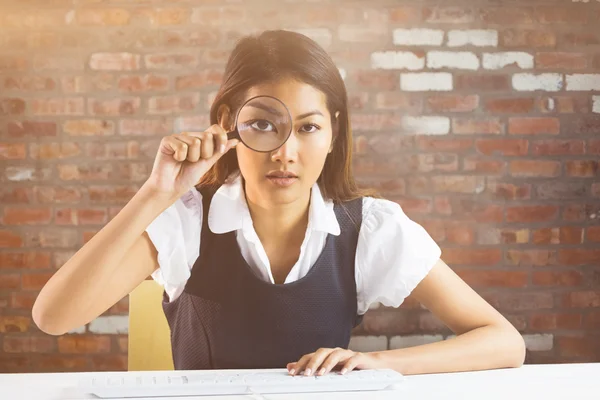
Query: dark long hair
x=277, y=54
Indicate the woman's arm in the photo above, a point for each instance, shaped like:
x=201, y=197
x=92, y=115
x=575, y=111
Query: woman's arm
x=104, y=270
x=485, y=339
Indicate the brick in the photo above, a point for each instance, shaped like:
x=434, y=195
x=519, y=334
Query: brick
x=12, y=151
x=443, y=144
x=453, y=103
x=160, y=127
x=14, y=324
x=12, y=106
x=581, y=299
x=27, y=173
x=398, y=60
x=10, y=239
x=517, y=59
x=418, y=37
x=61, y=363
x=111, y=194
x=427, y=125
x=102, y=17
x=539, y=342
x=471, y=126
x=22, y=300
x=146, y=83
x=36, y=19
x=455, y=60
x=459, y=234
x=527, y=214
x=535, y=257
x=561, y=190
x=58, y=106
x=447, y=15
x=596, y=104
x=26, y=216
x=115, y=61
x=479, y=82
x=382, y=322
x=524, y=82
x=34, y=281
x=507, y=15
x=166, y=16
x=534, y=168
x=592, y=320
x=13, y=63
x=50, y=151
x=515, y=301
x=592, y=234
x=582, y=168
x=116, y=324
x=28, y=344
x=458, y=184
x=593, y=146
x=219, y=16
x=489, y=278
x=73, y=172
x=527, y=38
x=201, y=80
x=114, y=107
x=578, y=346
x=66, y=216
x=557, y=279
x=374, y=122
x=171, y=61
x=59, y=63
x=481, y=165
x=25, y=260
x=378, y=80
x=22, y=129
x=509, y=105
x=426, y=81
x=555, y=15
x=10, y=282
x=552, y=321
x=89, y=127
x=580, y=212
x=575, y=39
x=473, y=37
x=113, y=151
x=361, y=34
x=19, y=195
x=564, y=104
x=583, y=82
x=584, y=125
x=398, y=101
x=29, y=83
x=368, y=343
x=84, y=344
x=560, y=60
x=403, y=14
x=433, y=162
x=401, y=342
x=470, y=256
x=503, y=147
x=533, y=126
x=172, y=104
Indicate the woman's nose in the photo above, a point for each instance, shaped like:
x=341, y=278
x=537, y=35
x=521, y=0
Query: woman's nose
x=288, y=152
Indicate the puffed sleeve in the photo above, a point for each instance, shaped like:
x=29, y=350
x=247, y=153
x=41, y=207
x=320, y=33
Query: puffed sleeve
x=393, y=255
x=176, y=235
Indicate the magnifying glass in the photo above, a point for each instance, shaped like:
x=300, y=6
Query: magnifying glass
x=263, y=124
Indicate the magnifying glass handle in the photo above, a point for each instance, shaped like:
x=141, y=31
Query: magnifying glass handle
x=234, y=134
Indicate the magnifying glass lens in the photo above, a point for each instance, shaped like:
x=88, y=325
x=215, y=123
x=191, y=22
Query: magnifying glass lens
x=264, y=123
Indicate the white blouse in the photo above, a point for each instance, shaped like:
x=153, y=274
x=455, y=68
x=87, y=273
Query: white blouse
x=393, y=253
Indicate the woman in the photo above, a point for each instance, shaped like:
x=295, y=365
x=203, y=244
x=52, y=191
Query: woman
x=269, y=259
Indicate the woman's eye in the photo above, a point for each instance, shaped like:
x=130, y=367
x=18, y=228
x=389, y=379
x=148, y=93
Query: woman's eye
x=310, y=128
x=262, y=125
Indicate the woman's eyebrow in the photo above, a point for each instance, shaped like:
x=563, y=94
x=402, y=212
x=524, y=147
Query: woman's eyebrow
x=308, y=114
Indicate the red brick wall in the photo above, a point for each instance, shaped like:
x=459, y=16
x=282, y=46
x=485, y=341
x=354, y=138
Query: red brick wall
x=480, y=118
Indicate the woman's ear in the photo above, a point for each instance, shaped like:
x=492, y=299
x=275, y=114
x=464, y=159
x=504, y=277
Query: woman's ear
x=335, y=130
x=224, y=117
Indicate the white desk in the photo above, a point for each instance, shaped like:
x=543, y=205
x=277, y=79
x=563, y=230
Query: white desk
x=531, y=382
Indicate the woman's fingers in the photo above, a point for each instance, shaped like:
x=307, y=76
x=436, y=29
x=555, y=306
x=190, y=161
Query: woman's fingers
x=333, y=359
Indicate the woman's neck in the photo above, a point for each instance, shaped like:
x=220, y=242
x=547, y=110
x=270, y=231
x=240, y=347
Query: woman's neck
x=284, y=222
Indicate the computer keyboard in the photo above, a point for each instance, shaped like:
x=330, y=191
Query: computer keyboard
x=231, y=382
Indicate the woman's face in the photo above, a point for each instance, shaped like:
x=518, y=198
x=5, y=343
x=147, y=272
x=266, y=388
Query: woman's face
x=302, y=155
